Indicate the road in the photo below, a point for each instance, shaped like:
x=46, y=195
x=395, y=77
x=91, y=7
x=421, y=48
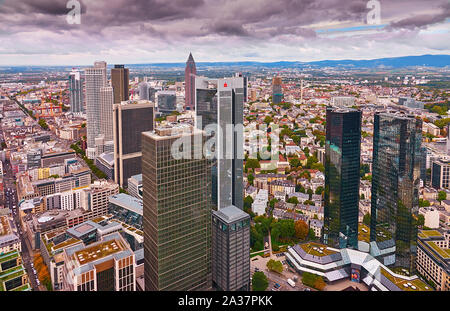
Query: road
x=11, y=202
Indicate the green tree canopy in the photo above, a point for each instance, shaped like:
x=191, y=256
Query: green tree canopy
x=259, y=281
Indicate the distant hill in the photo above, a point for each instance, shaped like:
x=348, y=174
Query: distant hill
x=394, y=62
x=438, y=61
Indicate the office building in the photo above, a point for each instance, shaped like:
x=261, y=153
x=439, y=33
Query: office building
x=76, y=94
x=107, y=265
x=13, y=276
x=343, y=101
x=95, y=197
x=9, y=239
x=135, y=186
x=277, y=90
x=167, y=102
x=342, y=164
x=189, y=83
x=337, y=265
x=219, y=102
x=433, y=257
x=231, y=249
x=106, y=114
x=120, y=77
x=96, y=79
x=144, y=91
x=440, y=174
x=131, y=119
x=177, y=211
x=105, y=163
x=395, y=189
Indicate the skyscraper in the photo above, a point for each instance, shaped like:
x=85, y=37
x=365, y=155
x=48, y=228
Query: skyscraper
x=76, y=94
x=95, y=80
x=277, y=90
x=395, y=188
x=342, y=165
x=106, y=113
x=219, y=102
x=119, y=80
x=131, y=119
x=177, y=211
x=143, y=91
x=189, y=83
x=231, y=249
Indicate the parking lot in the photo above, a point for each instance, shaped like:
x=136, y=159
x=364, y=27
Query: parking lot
x=277, y=282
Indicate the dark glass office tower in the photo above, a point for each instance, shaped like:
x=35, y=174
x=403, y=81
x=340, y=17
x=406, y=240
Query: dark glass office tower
x=277, y=90
x=221, y=102
x=395, y=188
x=231, y=249
x=130, y=120
x=176, y=212
x=119, y=80
x=342, y=164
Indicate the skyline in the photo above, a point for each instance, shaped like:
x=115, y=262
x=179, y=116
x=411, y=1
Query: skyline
x=156, y=32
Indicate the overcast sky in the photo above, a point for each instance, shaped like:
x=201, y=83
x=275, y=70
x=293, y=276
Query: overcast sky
x=36, y=32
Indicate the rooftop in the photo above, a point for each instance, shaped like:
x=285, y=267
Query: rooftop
x=98, y=251
x=230, y=214
x=317, y=249
x=363, y=233
x=429, y=233
x=405, y=284
x=128, y=202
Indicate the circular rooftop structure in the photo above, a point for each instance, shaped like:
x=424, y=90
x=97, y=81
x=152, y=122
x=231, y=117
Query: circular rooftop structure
x=44, y=219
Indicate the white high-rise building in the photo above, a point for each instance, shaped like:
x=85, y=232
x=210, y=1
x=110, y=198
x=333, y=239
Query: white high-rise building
x=106, y=112
x=96, y=79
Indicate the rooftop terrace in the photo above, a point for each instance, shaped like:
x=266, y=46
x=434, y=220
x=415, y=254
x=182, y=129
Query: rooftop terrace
x=98, y=251
x=317, y=249
x=424, y=234
x=406, y=285
x=363, y=233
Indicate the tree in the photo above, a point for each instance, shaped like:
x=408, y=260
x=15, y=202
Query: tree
x=259, y=281
x=295, y=162
x=442, y=195
x=250, y=178
x=293, y=200
x=319, y=190
x=273, y=202
x=424, y=203
x=43, y=124
x=248, y=201
x=275, y=265
x=420, y=220
x=268, y=120
x=301, y=229
x=366, y=219
x=310, y=192
x=362, y=196
x=252, y=163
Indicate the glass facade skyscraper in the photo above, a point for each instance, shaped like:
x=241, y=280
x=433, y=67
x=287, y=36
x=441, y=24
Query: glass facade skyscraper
x=220, y=102
x=342, y=165
x=177, y=213
x=395, y=188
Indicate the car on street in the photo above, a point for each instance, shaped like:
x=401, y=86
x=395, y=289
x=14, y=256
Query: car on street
x=277, y=285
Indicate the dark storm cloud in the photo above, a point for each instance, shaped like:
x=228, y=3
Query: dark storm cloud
x=257, y=18
x=423, y=20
